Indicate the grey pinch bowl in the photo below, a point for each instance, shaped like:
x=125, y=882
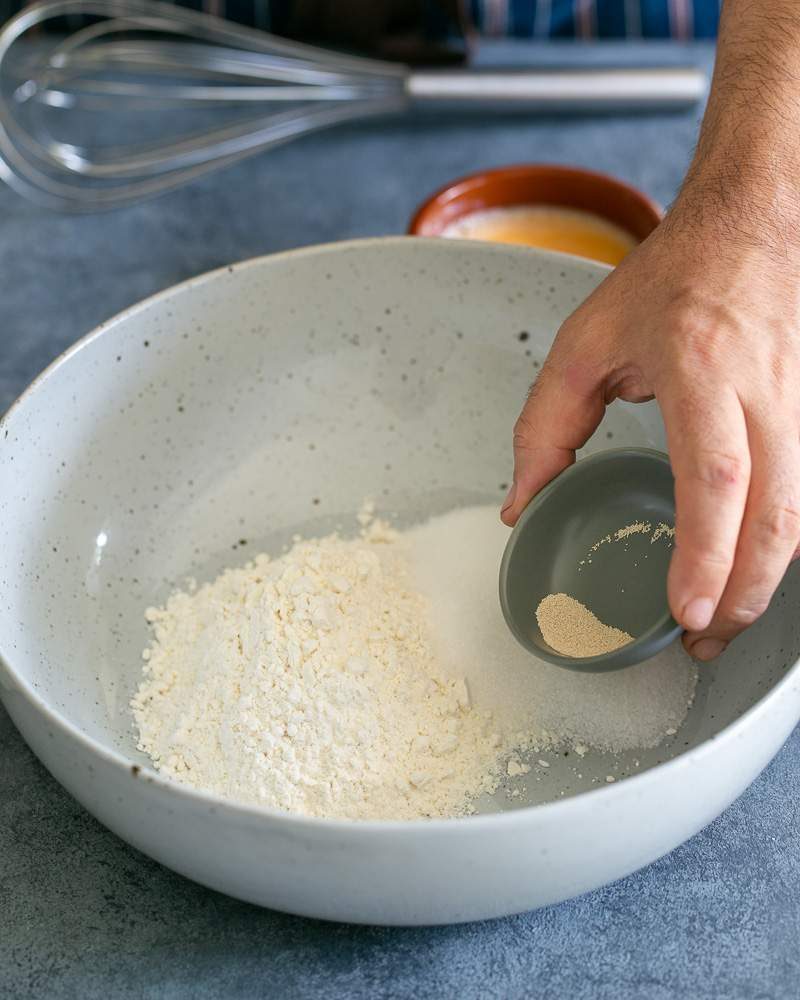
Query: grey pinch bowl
x=624, y=583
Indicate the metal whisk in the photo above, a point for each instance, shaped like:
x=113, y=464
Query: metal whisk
x=77, y=113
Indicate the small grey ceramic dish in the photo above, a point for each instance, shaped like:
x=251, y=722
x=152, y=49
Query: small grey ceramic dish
x=569, y=540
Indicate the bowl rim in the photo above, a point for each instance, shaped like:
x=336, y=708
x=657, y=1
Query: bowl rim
x=447, y=191
x=445, y=826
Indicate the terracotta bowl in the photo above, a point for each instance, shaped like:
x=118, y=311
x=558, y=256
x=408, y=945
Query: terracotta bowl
x=538, y=184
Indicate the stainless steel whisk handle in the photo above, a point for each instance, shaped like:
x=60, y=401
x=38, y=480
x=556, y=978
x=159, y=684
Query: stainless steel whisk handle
x=628, y=89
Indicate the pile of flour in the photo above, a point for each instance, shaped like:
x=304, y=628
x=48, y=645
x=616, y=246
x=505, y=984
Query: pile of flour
x=374, y=678
x=309, y=683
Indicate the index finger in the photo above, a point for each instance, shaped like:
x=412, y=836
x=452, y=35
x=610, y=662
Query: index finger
x=564, y=407
x=710, y=456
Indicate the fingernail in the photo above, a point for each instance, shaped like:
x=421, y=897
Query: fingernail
x=509, y=500
x=707, y=649
x=697, y=614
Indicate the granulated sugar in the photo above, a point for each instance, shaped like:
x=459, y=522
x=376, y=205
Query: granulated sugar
x=572, y=630
x=455, y=563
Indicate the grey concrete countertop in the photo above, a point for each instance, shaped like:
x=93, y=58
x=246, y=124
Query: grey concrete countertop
x=83, y=915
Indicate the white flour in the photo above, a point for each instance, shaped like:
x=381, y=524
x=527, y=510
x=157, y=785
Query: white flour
x=331, y=681
x=308, y=683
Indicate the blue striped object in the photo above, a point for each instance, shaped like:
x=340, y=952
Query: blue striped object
x=596, y=18
x=679, y=19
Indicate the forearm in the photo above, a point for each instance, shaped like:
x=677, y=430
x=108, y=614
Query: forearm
x=749, y=146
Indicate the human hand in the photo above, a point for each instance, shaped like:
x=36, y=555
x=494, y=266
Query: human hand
x=704, y=317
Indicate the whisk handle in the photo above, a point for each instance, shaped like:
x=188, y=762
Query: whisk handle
x=651, y=88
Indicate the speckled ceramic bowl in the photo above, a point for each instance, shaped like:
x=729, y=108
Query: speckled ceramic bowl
x=272, y=396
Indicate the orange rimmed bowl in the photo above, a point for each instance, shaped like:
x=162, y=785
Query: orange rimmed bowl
x=538, y=184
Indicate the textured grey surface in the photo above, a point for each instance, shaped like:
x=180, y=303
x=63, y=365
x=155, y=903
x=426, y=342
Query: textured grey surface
x=84, y=916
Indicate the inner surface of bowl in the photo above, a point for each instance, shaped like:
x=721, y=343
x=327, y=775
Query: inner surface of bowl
x=214, y=422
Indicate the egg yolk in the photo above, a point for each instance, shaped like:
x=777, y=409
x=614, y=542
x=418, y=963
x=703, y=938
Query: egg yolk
x=550, y=228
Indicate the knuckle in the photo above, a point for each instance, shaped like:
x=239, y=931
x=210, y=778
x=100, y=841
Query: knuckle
x=524, y=436
x=701, y=329
x=689, y=333
x=702, y=554
x=700, y=345
x=718, y=560
x=523, y=431
x=778, y=525
x=719, y=471
x=744, y=613
x=782, y=373
x=742, y=610
x=693, y=344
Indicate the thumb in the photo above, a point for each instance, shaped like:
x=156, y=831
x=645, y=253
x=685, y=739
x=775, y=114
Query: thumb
x=564, y=407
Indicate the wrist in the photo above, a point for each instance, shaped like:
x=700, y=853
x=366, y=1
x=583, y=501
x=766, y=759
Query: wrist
x=740, y=206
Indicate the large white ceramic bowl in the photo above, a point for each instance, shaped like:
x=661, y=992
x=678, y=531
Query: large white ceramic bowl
x=275, y=395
